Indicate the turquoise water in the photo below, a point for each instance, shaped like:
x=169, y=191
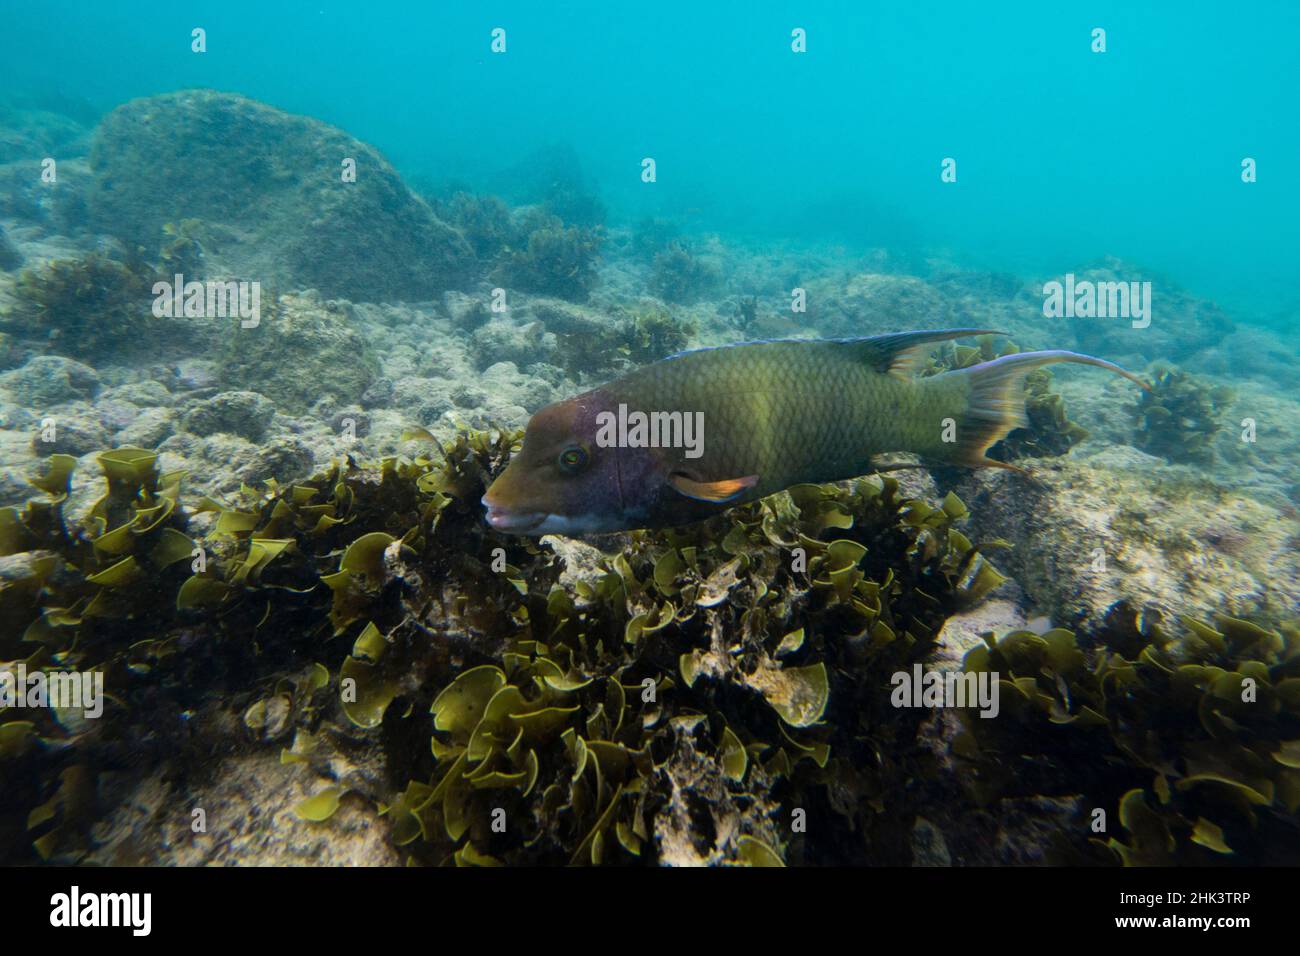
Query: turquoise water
x=299, y=449
x=1063, y=155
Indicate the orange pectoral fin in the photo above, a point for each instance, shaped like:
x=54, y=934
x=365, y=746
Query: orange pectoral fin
x=716, y=492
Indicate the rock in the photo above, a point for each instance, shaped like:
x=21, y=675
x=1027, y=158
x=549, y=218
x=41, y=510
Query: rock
x=15, y=416
x=354, y=418
x=246, y=414
x=1180, y=324
x=468, y=396
x=1121, y=526
x=115, y=414
x=196, y=373
x=425, y=399
x=251, y=798
x=283, y=459
x=378, y=395
x=59, y=206
x=501, y=341
x=466, y=312
x=51, y=380
x=14, y=490
x=146, y=394
x=271, y=181
x=875, y=303
x=505, y=383
x=928, y=845
x=31, y=132
x=72, y=436
x=12, y=354
x=149, y=429
x=305, y=350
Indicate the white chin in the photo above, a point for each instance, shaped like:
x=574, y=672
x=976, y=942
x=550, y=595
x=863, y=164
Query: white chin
x=570, y=525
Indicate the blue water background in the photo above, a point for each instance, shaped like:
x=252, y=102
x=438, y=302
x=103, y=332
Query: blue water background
x=1063, y=155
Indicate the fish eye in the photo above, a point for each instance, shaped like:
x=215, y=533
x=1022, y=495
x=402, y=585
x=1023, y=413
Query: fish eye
x=573, y=459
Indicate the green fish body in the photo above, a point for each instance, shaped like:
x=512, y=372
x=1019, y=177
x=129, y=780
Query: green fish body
x=767, y=415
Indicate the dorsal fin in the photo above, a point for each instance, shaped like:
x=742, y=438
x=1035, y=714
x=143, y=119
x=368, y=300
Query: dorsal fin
x=898, y=353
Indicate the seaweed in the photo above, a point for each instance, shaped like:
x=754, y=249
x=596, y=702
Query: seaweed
x=747, y=311
x=591, y=343
x=90, y=305
x=484, y=221
x=1179, y=417
x=670, y=699
x=552, y=258
x=705, y=652
x=678, y=275
x=655, y=333
x=652, y=235
x=1189, y=744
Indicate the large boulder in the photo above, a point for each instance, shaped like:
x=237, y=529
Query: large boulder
x=270, y=185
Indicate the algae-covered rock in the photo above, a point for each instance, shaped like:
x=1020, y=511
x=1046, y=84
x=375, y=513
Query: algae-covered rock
x=878, y=302
x=586, y=340
x=51, y=380
x=69, y=435
x=238, y=413
x=272, y=183
x=283, y=458
x=148, y=430
x=41, y=123
x=303, y=350
x=248, y=803
x=1087, y=533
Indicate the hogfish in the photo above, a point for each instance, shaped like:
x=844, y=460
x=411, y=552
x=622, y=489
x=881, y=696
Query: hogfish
x=693, y=434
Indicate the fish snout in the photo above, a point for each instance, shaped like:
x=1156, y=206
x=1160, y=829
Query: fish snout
x=502, y=519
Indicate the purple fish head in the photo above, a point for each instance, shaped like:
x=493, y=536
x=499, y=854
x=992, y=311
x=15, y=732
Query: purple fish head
x=563, y=482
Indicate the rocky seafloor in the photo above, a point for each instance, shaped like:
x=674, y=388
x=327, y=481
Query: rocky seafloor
x=384, y=329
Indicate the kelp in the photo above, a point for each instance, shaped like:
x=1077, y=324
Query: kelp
x=1188, y=745
x=387, y=570
x=670, y=699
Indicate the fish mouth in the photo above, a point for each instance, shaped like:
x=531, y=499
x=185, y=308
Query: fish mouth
x=511, y=522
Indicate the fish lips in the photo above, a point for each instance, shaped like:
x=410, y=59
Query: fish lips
x=511, y=522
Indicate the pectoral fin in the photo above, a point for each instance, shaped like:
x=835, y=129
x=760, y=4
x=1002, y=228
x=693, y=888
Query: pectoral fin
x=717, y=492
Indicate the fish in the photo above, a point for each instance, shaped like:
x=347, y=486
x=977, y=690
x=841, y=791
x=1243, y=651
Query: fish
x=688, y=436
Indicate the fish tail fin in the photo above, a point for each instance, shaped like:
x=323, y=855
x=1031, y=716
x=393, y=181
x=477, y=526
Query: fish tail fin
x=995, y=402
